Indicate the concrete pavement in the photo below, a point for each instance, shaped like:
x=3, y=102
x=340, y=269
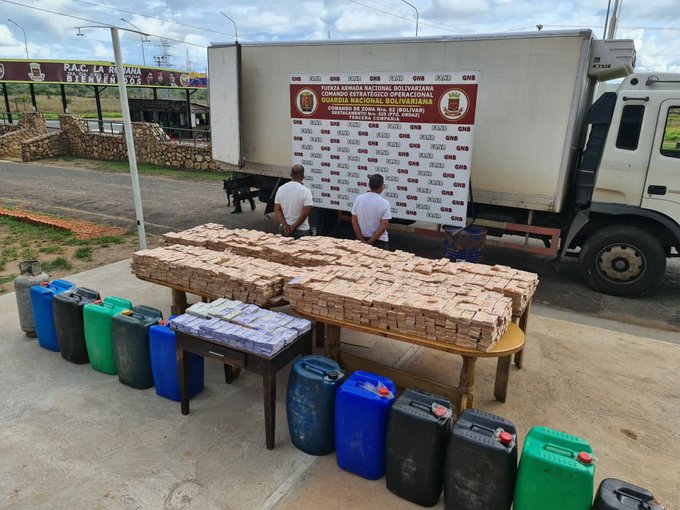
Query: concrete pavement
x=73, y=438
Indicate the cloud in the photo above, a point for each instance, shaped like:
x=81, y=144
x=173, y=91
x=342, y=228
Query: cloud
x=53, y=36
x=458, y=8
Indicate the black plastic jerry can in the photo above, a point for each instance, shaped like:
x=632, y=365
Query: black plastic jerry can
x=417, y=432
x=130, y=334
x=68, y=322
x=616, y=494
x=481, y=463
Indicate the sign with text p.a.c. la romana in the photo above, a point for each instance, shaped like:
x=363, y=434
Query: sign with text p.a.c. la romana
x=415, y=129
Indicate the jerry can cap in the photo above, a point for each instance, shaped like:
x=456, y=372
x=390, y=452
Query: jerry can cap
x=585, y=458
x=126, y=312
x=162, y=322
x=97, y=301
x=505, y=438
x=383, y=391
x=333, y=375
x=440, y=411
x=44, y=284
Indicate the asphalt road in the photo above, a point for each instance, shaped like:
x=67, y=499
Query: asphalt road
x=171, y=204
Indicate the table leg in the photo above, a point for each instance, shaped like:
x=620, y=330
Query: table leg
x=466, y=386
x=320, y=334
x=523, y=324
x=231, y=373
x=500, y=389
x=333, y=342
x=269, y=386
x=179, y=302
x=183, y=369
x=309, y=347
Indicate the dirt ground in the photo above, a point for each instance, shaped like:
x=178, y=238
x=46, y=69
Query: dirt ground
x=60, y=252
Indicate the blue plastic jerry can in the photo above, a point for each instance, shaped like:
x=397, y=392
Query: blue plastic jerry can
x=43, y=316
x=310, y=403
x=362, y=406
x=163, y=354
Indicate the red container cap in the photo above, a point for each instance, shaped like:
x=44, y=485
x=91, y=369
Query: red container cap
x=505, y=437
x=44, y=284
x=585, y=458
x=97, y=301
x=383, y=391
x=440, y=410
x=162, y=322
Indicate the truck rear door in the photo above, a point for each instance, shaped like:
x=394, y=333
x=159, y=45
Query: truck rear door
x=662, y=188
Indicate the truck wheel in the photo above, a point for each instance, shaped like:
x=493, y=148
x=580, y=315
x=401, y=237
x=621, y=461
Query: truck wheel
x=623, y=261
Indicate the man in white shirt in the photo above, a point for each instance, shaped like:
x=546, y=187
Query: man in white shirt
x=371, y=214
x=292, y=205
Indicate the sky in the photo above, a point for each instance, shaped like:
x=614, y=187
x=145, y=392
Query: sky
x=50, y=36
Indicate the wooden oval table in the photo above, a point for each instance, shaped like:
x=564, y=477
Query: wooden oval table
x=463, y=395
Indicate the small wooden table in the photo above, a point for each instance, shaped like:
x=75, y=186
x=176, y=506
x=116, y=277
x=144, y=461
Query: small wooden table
x=462, y=395
x=234, y=360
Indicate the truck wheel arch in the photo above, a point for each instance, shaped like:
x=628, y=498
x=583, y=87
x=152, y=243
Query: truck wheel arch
x=601, y=215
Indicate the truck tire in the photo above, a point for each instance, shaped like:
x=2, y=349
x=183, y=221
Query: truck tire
x=622, y=261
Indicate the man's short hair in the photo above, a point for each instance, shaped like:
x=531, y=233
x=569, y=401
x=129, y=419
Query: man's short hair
x=375, y=182
x=297, y=172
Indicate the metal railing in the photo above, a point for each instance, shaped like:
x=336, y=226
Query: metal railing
x=104, y=126
x=193, y=136
x=10, y=117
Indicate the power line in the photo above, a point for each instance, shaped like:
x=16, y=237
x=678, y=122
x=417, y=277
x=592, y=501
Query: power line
x=92, y=21
x=407, y=18
x=107, y=6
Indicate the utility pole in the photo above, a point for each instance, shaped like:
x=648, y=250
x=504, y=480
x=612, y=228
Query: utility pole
x=417, y=14
x=24, y=31
x=614, y=20
x=127, y=126
x=234, y=23
x=129, y=139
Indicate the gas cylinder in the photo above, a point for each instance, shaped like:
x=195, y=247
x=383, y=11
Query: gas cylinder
x=30, y=274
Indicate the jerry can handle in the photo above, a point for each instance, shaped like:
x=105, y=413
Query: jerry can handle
x=481, y=428
x=638, y=497
x=438, y=410
x=559, y=450
x=331, y=375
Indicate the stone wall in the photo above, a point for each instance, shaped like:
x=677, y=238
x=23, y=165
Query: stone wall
x=29, y=126
x=44, y=146
x=151, y=144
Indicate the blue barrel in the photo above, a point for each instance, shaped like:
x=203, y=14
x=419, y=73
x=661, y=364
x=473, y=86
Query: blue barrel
x=310, y=404
x=163, y=351
x=362, y=405
x=464, y=244
x=43, y=316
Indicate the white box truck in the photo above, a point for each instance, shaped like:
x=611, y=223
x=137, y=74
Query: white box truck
x=595, y=180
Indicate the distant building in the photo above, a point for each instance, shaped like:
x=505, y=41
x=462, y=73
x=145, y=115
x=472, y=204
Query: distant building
x=172, y=115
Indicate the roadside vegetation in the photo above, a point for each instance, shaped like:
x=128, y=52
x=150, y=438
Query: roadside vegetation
x=142, y=168
x=59, y=251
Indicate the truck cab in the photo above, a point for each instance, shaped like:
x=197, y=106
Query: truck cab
x=629, y=217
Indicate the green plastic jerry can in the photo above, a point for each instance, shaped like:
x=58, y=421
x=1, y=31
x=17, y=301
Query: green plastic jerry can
x=98, y=316
x=556, y=470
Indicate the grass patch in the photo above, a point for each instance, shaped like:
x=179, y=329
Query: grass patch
x=147, y=169
x=24, y=233
x=56, y=263
x=7, y=279
x=28, y=254
x=50, y=250
x=84, y=253
x=9, y=253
